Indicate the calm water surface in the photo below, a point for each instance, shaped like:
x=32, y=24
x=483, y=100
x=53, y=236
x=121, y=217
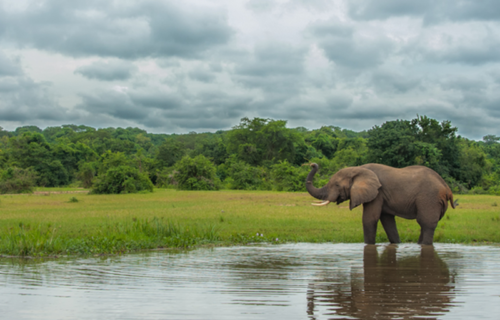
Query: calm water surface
x=292, y=281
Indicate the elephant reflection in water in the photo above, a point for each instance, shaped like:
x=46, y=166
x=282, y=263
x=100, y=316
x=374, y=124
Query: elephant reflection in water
x=388, y=288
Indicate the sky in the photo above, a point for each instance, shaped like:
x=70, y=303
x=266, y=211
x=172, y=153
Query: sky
x=192, y=65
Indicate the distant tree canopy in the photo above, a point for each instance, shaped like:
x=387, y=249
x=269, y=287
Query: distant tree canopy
x=262, y=141
x=422, y=141
x=425, y=141
x=255, y=154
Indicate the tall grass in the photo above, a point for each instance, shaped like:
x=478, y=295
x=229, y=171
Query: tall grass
x=25, y=240
x=52, y=224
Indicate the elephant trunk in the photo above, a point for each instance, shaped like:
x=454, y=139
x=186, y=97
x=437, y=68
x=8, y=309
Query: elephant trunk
x=321, y=193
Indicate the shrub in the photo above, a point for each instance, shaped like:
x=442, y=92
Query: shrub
x=495, y=190
x=286, y=177
x=457, y=187
x=242, y=176
x=196, y=173
x=16, y=180
x=87, y=173
x=477, y=190
x=122, y=179
x=165, y=178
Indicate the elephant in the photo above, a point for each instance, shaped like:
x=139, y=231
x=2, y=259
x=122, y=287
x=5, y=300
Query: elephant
x=414, y=192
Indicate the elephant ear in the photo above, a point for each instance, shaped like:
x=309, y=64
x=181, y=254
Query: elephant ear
x=364, y=188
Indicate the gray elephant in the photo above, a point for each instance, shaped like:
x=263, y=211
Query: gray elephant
x=414, y=192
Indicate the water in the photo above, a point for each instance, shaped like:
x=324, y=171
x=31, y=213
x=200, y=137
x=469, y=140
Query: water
x=292, y=281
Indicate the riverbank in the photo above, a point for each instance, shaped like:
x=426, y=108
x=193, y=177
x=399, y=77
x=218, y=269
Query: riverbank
x=58, y=223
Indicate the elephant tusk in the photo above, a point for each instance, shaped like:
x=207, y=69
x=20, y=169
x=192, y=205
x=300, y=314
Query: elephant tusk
x=324, y=203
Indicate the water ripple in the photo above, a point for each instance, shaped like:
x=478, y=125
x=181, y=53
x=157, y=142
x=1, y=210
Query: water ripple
x=292, y=281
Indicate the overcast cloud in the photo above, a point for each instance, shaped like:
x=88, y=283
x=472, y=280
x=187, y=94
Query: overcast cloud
x=175, y=67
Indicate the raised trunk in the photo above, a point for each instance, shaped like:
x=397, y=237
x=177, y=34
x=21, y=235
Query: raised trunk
x=315, y=192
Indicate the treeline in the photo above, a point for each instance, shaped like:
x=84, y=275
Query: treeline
x=256, y=154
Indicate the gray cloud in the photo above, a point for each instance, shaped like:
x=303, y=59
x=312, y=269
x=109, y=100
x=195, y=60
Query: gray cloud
x=202, y=75
x=107, y=71
x=270, y=59
x=157, y=109
x=112, y=103
x=432, y=12
x=129, y=31
x=156, y=99
x=471, y=43
x=9, y=67
x=467, y=53
x=276, y=69
x=348, y=48
x=353, y=63
x=384, y=9
x=464, y=84
x=24, y=100
x=394, y=82
x=260, y=6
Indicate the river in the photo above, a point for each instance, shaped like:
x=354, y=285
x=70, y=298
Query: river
x=288, y=281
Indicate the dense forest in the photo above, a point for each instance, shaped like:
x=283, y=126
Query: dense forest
x=256, y=154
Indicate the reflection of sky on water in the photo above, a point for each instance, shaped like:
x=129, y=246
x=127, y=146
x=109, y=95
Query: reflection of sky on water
x=293, y=281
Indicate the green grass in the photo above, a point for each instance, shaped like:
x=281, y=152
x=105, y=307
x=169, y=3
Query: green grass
x=53, y=223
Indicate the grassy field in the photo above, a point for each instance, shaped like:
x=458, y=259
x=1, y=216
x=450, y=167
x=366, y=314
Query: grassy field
x=54, y=222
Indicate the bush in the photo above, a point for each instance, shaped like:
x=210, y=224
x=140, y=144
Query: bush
x=495, y=190
x=51, y=174
x=242, y=176
x=196, y=173
x=455, y=186
x=477, y=190
x=87, y=173
x=165, y=178
x=15, y=180
x=122, y=179
x=286, y=177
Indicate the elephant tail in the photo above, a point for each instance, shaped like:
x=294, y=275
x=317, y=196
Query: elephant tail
x=444, y=202
x=450, y=198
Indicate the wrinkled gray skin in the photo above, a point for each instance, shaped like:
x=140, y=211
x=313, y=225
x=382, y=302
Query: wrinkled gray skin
x=414, y=192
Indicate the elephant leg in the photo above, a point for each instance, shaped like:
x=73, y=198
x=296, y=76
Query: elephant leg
x=389, y=223
x=370, y=230
x=428, y=225
x=371, y=216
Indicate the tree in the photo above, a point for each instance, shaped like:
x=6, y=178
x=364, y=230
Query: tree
x=286, y=177
x=20, y=130
x=472, y=161
x=121, y=179
x=326, y=144
x=212, y=147
x=427, y=142
x=392, y=143
x=239, y=175
x=491, y=139
x=112, y=160
x=87, y=173
x=441, y=136
x=169, y=153
x=16, y=180
x=262, y=141
x=196, y=173
x=32, y=150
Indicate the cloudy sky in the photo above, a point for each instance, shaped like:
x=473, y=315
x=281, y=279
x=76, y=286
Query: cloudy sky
x=192, y=65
